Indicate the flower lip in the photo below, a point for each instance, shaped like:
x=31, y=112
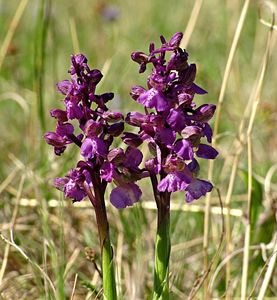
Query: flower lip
x=93, y=147
x=125, y=195
x=59, y=114
x=53, y=139
x=175, y=181
x=206, y=151
x=196, y=189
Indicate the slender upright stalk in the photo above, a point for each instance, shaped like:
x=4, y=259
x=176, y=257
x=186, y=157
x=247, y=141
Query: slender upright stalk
x=162, y=246
x=162, y=249
x=108, y=274
x=109, y=285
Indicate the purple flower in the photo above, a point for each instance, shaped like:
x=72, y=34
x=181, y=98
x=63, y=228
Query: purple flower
x=193, y=134
x=183, y=149
x=54, y=139
x=176, y=181
x=204, y=112
x=135, y=118
x=72, y=185
x=98, y=127
x=93, y=128
x=64, y=87
x=125, y=195
x=131, y=139
x=59, y=114
x=74, y=111
x=197, y=188
x=93, y=146
x=64, y=129
x=176, y=120
x=206, y=151
x=170, y=95
x=106, y=171
x=153, y=99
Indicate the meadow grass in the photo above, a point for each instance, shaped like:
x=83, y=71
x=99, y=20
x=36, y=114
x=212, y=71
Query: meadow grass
x=224, y=245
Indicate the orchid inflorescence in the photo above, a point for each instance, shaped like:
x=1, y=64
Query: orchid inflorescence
x=99, y=126
x=172, y=124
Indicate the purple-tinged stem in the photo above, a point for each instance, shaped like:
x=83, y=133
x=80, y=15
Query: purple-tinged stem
x=163, y=245
x=98, y=201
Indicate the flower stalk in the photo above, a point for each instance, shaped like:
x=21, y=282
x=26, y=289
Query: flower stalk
x=162, y=249
x=107, y=265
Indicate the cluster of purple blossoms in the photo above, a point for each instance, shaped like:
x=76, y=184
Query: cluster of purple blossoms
x=97, y=128
x=172, y=125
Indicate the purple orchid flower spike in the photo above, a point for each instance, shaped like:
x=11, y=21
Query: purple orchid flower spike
x=97, y=128
x=101, y=164
x=169, y=97
x=173, y=126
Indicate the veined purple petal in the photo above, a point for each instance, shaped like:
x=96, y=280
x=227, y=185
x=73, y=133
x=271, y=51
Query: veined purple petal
x=59, y=183
x=135, y=118
x=64, y=130
x=64, y=87
x=193, y=134
x=176, y=181
x=136, y=91
x=204, y=112
x=153, y=99
x=183, y=149
x=112, y=116
x=93, y=128
x=152, y=165
x=74, y=191
x=54, y=139
x=125, y=195
x=176, y=120
x=116, y=156
x=133, y=157
x=59, y=114
x=93, y=146
x=185, y=98
x=131, y=139
x=206, y=151
x=196, y=189
x=73, y=110
x=166, y=136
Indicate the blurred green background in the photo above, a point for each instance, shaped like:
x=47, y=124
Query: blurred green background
x=37, y=38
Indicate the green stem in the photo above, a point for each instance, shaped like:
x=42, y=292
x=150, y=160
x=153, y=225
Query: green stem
x=108, y=274
x=109, y=286
x=162, y=248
